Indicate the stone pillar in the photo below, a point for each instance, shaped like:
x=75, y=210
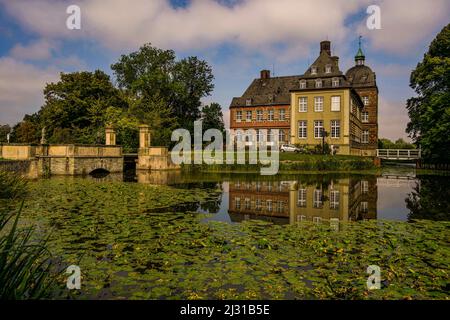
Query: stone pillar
x=110, y=136
x=144, y=136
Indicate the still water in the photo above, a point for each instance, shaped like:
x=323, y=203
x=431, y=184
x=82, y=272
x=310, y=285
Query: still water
x=397, y=194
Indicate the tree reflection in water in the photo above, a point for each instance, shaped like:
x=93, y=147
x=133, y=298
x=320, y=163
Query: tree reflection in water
x=430, y=199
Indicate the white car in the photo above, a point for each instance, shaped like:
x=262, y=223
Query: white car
x=290, y=148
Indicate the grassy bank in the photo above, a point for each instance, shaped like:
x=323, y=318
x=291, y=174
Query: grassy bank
x=288, y=163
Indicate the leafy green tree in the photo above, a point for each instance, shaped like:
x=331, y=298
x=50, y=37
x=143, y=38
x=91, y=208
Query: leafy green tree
x=160, y=85
x=27, y=131
x=212, y=117
x=429, y=112
x=74, y=107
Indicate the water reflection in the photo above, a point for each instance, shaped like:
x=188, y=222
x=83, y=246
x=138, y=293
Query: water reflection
x=314, y=197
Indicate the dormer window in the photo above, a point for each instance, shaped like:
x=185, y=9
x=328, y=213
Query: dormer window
x=335, y=82
x=313, y=70
x=270, y=98
x=303, y=84
x=318, y=83
x=328, y=68
x=248, y=102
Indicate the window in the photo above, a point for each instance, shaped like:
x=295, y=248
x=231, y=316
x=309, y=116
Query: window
x=303, y=104
x=317, y=203
x=303, y=84
x=318, y=104
x=270, y=115
x=335, y=128
x=269, y=135
x=281, y=135
x=318, y=128
x=237, y=204
x=248, y=204
x=336, y=103
x=258, y=204
x=364, y=186
x=269, y=205
x=301, y=202
x=248, y=102
x=238, y=136
x=282, y=115
x=334, y=199
x=318, y=83
x=328, y=68
x=302, y=129
x=365, y=136
x=280, y=208
x=259, y=115
x=313, y=70
x=335, y=82
x=365, y=116
x=259, y=135
x=365, y=100
x=364, y=207
x=238, y=116
x=249, y=116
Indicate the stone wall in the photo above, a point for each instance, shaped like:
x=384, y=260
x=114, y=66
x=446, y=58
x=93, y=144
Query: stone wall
x=155, y=158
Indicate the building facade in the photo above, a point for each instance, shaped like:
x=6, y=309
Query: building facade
x=323, y=105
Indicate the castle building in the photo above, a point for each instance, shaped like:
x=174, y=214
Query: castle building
x=322, y=105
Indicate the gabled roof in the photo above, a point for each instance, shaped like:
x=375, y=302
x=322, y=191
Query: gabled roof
x=270, y=91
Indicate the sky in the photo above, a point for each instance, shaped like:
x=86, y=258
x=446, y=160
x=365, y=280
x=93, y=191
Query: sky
x=238, y=38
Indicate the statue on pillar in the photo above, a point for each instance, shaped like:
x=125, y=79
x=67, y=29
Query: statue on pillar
x=43, y=139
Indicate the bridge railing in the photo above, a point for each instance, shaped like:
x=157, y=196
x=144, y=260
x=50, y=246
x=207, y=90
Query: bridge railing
x=400, y=154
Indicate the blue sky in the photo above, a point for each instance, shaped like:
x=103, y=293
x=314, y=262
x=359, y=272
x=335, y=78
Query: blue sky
x=238, y=38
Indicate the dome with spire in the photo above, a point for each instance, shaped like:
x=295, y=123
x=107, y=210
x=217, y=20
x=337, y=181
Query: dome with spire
x=361, y=75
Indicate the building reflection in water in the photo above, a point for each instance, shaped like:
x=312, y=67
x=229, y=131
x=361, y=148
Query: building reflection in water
x=345, y=199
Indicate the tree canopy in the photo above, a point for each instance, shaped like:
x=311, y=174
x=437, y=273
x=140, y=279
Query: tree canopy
x=152, y=88
x=429, y=111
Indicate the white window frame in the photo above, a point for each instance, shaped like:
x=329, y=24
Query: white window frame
x=270, y=115
x=318, y=104
x=365, y=116
x=335, y=103
x=237, y=203
x=302, y=131
x=365, y=100
x=318, y=128
x=318, y=83
x=364, y=207
x=328, y=68
x=364, y=186
x=313, y=70
x=302, y=197
x=335, y=82
x=365, y=136
x=259, y=115
x=248, y=102
x=281, y=135
x=239, y=116
x=282, y=115
x=318, y=198
x=303, y=104
x=247, y=118
x=334, y=199
x=335, y=129
x=302, y=84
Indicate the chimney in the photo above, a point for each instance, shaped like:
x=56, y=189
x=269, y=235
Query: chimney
x=336, y=60
x=325, y=46
x=265, y=74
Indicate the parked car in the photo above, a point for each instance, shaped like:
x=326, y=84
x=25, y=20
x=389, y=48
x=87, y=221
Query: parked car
x=291, y=148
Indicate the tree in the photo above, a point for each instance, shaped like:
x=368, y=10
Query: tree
x=75, y=106
x=4, y=130
x=212, y=117
x=429, y=111
x=153, y=78
x=27, y=131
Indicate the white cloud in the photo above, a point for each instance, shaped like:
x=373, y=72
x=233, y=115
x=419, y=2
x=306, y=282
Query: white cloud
x=406, y=23
x=204, y=23
x=37, y=50
x=21, y=88
x=392, y=119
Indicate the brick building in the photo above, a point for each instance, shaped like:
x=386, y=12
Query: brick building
x=298, y=109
